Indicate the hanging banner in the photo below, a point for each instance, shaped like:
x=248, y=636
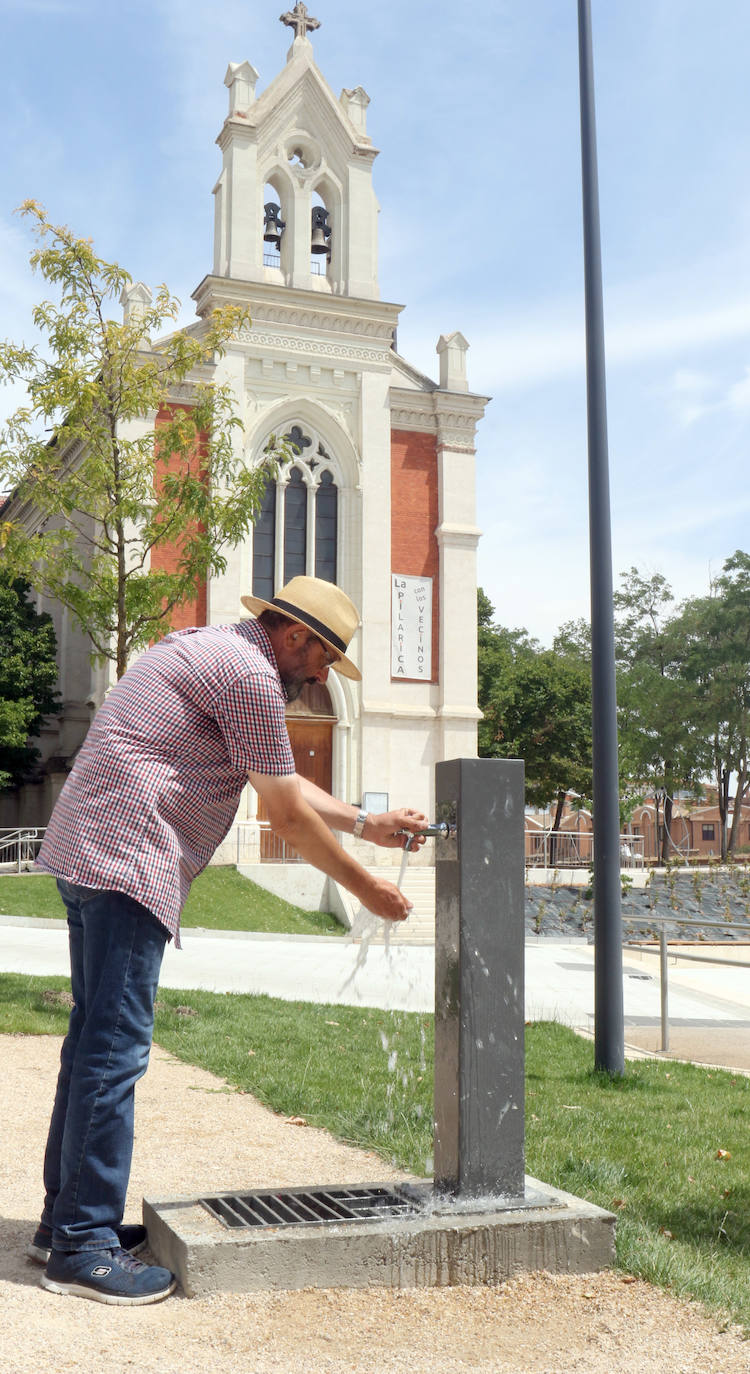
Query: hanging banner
x=411, y=642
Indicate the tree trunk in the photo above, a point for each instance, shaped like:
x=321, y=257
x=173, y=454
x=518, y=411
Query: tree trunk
x=555, y=828
x=666, y=839
x=723, y=809
x=122, y=620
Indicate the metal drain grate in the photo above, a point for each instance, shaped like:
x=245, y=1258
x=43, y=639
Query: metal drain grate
x=308, y=1207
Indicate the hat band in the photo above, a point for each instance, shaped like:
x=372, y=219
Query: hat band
x=311, y=622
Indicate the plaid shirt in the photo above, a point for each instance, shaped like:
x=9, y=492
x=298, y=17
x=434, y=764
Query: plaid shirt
x=158, y=779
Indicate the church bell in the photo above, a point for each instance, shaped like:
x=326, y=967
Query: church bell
x=321, y=231
x=273, y=224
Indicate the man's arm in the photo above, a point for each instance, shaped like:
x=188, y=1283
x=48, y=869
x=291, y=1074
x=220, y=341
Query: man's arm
x=293, y=818
x=388, y=829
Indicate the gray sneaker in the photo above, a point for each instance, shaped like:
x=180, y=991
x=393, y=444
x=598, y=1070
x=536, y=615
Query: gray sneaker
x=111, y=1276
x=132, y=1238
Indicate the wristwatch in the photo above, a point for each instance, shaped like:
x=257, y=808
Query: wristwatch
x=359, y=824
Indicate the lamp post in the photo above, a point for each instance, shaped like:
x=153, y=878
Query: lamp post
x=609, y=1025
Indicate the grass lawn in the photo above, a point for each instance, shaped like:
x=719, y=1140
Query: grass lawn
x=220, y=899
x=667, y=1147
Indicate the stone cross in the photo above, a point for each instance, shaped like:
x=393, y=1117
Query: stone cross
x=299, y=20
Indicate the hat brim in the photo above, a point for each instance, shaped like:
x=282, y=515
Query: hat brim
x=341, y=663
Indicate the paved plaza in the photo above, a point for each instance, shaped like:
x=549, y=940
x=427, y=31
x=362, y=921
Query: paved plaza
x=709, y=1005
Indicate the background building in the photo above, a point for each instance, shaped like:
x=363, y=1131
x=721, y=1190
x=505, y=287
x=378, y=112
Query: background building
x=380, y=496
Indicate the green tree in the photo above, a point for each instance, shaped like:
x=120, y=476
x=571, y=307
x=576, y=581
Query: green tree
x=573, y=639
x=28, y=677
x=498, y=650
x=94, y=503
x=716, y=662
x=661, y=747
x=537, y=706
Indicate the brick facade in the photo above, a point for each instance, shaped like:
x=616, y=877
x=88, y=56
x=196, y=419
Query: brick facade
x=164, y=557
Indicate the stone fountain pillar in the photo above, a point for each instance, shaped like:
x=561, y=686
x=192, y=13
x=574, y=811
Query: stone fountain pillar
x=479, y=979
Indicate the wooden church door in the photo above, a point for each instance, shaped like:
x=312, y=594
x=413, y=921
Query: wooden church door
x=310, y=721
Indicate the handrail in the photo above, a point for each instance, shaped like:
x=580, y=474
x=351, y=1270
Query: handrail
x=659, y=919
x=20, y=843
x=662, y=922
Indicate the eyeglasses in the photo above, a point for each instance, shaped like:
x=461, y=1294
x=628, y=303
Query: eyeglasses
x=330, y=658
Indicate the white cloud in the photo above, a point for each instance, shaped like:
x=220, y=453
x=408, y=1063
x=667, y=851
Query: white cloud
x=690, y=394
x=525, y=354
x=738, y=396
x=644, y=337
x=548, y=343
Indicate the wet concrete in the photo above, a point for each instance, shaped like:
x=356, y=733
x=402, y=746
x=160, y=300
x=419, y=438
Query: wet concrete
x=476, y=1244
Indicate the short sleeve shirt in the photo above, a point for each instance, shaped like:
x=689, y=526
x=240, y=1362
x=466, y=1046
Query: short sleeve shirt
x=157, y=782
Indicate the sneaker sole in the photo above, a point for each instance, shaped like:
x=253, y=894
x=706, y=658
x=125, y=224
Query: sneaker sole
x=80, y=1290
x=41, y=1256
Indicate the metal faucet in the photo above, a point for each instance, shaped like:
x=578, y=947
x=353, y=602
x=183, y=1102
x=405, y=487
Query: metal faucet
x=439, y=830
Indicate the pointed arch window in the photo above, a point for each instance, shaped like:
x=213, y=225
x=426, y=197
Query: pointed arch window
x=264, y=543
x=326, y=527
x=297, y=529
x=295, y=525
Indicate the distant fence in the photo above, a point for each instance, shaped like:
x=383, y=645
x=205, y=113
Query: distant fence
x=257, y=843
x=566, y=849
x=19, y=847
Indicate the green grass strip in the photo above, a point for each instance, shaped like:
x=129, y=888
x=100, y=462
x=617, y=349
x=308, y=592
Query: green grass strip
x=665, y=1147
x=220, y=899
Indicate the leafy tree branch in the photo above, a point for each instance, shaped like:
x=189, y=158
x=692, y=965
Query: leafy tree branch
x=106, y=464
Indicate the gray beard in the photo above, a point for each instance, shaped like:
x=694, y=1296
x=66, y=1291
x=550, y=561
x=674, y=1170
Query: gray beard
x=293, y=687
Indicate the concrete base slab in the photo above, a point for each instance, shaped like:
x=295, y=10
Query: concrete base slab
x=438, y=1245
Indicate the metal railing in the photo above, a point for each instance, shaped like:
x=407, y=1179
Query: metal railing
x=661, y=922
x=257, y=843
x=274, y=260
x=568, y=849
x=19, y=847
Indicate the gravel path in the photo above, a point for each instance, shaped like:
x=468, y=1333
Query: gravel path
x=195, y=1134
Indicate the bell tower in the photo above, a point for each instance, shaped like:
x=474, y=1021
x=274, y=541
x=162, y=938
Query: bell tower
x=378, y=494
x=294, y=202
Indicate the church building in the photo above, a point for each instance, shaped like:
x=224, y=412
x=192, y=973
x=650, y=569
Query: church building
x=380, y=493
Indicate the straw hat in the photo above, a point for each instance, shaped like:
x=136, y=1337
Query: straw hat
x=323, y=608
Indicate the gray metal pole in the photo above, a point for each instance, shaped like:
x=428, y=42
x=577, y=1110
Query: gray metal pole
x=609, y=1029
x=664, y=989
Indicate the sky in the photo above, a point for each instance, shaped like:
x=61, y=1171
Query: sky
x=110, y=114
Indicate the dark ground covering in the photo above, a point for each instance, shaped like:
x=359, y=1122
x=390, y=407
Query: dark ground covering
x=704, y=894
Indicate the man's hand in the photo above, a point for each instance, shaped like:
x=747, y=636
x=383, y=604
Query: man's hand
x=385, y=900
x=293, y=818
x=393, y=828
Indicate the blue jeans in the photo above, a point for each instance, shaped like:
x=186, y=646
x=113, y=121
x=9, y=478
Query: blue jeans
x=116, y=949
